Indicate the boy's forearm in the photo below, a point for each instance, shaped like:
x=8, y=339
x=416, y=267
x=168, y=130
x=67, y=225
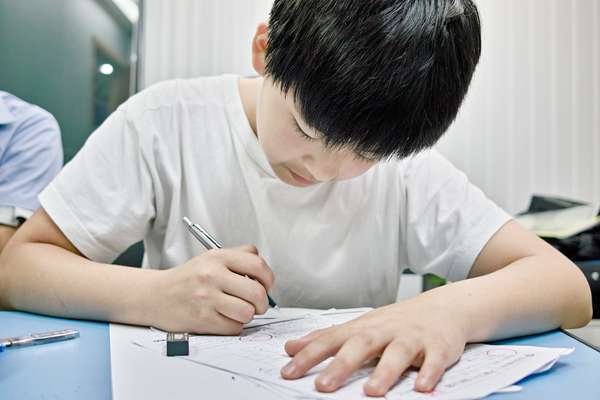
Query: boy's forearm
x=531, y=295
x=47, y=279
x=6, y=232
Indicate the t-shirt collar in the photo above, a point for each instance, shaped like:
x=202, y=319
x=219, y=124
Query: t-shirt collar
x=242, y=126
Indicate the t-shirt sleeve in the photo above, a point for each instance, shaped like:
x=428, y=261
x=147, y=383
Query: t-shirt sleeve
x=103, y=199
x=31, y=160
x=446, y=220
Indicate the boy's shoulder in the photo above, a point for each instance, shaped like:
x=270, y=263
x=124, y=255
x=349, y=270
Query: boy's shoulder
x=421, y=163
x=427, y=177
x=179, y=92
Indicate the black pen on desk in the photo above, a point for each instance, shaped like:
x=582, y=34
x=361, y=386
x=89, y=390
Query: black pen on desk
x=211, y=243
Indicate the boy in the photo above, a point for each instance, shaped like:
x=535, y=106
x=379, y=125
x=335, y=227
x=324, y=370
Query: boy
x=30, y=157
x=321, y=163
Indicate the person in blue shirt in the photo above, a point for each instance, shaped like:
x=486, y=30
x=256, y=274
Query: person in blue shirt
x=30, y=157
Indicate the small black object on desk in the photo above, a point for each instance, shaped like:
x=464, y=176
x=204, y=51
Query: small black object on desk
x=178, y=344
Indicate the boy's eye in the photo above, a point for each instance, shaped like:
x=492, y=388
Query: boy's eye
x=367, y=156
x=363, y=156
x=301, y=132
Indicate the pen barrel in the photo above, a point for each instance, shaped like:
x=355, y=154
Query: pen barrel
x=205, y=238
x=46, y=337
x=201, y=237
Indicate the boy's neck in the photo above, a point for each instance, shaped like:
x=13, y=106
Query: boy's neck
x=249, y=89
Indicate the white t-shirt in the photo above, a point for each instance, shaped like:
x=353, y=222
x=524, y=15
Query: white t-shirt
x=185, y=148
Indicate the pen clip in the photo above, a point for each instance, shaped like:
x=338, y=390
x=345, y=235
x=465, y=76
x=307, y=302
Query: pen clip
x=203, y=237
x=213, y=241
x=48, y=337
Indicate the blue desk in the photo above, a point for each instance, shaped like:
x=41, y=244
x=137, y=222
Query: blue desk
x=73, y=369
x=80, y=368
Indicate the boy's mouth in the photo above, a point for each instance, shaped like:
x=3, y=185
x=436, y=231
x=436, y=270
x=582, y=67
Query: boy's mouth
x=302, y=181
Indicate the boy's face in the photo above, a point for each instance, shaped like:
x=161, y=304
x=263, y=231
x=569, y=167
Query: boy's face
x=295, y=152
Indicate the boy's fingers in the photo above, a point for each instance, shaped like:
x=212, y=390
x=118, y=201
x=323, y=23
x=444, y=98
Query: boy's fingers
x=320, y=349
x=219, y=324
x=396, y=358
x=247, y=290
x=352, y=355
x=249, y=248
x=246, y=263
x=434, y=365
x=295, y=345
x=234, y=308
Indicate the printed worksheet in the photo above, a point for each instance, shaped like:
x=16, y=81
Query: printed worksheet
x=259, y=354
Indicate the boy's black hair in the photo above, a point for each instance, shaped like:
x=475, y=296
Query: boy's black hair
x=385, y=77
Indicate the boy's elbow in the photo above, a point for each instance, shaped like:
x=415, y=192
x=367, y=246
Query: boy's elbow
x=9, y=260
x=583, y=316
x=579, y=319
x=580, y=310
x=4, y=279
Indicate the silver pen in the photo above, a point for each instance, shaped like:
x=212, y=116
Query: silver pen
x=211, y=243
x=39, y=338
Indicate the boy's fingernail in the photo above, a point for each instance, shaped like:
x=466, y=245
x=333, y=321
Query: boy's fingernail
x=424, y=383
x=289, y=369
x=373, y=383
x=326, y=381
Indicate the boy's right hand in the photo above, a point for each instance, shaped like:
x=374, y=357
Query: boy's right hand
x=210, y=293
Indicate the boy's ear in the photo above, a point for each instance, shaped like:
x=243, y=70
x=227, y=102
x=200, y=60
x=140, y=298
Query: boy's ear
x=259, y=48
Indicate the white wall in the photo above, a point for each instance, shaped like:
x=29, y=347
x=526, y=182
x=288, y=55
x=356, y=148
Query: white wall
x=531, y=122
x=187, y=38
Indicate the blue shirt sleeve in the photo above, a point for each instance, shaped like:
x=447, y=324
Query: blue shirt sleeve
x=30, y=156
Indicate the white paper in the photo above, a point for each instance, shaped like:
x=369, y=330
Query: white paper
x=140, y=374
x=258, y=354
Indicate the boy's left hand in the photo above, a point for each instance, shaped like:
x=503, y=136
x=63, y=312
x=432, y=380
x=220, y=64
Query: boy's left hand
x=417, y=332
